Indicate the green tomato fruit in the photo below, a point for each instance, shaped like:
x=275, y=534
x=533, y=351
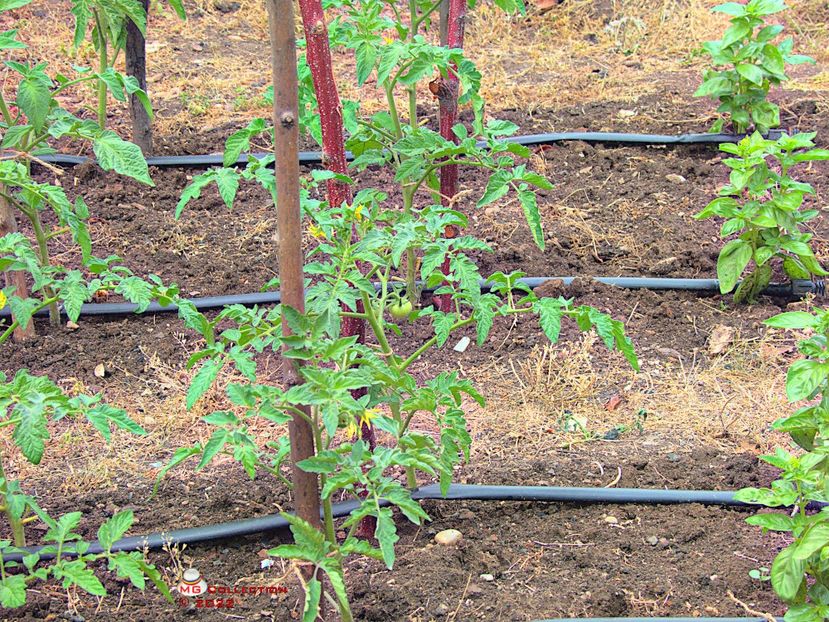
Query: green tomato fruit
x=401, y=309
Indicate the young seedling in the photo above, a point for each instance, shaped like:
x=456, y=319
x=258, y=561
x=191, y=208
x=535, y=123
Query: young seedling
x=38, y=117
x=800, y=572
x=764, y=206
x=109, y=19
x=747, y=63
x=73, y=566
x=27, y=405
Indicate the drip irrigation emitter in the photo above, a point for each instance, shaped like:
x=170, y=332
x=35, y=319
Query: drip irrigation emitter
x=794, y=290
x=456, y=492
x=311, y=158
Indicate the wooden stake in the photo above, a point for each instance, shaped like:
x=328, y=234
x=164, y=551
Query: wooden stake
x=289, y=223
x=136, y=65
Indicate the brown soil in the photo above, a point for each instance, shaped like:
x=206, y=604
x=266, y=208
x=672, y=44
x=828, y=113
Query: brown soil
x=615, y=211
x=546, y=559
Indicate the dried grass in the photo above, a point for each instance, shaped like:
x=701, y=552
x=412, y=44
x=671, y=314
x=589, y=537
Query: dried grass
x=213, y=67
x=559, y=396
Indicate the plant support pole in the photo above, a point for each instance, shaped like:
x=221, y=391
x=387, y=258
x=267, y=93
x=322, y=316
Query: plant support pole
x=136, y=66
x=286, y=148
x=444, y=22
x=15, y=278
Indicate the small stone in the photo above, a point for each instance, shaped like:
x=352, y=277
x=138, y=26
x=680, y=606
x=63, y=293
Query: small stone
x=448, y=537
x=675, y=179
x=663, y=542
x=673, y=457
x=263, y=553
x=611, y=520
x=440, y=611
x=474, y=590
x=100, y=371
x=652, y=540
x=487, y=577
x=266, y=563
x=72, y=325
x=669, y=353
x=227, y=7
x=626, y=114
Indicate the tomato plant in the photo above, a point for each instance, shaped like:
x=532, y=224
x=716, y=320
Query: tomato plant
x=747, y=62
x=346, y=269
x=365, y=246
x=28, y=404
x=74, y=566
x=800, y=572
x=28, y=123
x=109, y=20
x=764, y=205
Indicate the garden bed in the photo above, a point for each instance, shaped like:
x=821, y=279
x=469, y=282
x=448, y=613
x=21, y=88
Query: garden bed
x=614, y=211
x=696, y=416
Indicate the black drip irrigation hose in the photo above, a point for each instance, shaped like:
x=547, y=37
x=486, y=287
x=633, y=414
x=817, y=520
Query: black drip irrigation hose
x=795, y=290
x=457, y=492
x=528, y=140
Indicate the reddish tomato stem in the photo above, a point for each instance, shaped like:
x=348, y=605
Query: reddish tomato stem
x=446, y=91
x=318, y=55
x=329, y=107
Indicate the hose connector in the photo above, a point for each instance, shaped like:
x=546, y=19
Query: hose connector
x=802, y=287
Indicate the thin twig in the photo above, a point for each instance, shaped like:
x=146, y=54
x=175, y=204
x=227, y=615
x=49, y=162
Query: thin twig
x=616, y=480
x=749, y=610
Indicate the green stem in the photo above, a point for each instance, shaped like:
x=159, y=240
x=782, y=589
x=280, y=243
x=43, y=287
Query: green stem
x=377, y=328
x=432, y=168
x=8, y=332
x=425, y=15
x=18, y=533
x=413, y=107
x=395, y=116
x=72, y=83
x=43, y=251
x=415, y=24
x=7, y=117
x=459, y=324
x=411, y=258
x=328, y=512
